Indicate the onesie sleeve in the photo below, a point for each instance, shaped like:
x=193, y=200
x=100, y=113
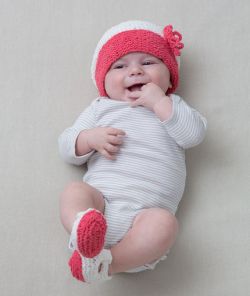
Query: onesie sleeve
x=186, y=125
x=67, y=139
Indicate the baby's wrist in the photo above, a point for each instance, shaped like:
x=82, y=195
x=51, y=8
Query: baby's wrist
x=160, y=102
x=89, y=143
x=83, y=145
x=163, y=108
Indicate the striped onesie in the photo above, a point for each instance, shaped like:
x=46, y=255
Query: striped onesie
x=149, y=170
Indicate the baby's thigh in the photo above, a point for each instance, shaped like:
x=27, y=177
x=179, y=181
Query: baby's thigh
x=82, y=195
x=96, y=196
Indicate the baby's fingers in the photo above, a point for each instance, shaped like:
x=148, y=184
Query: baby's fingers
x=115, y=140
x=108, y=155
x=111, y=148
x=136, y=103
x=116, y=131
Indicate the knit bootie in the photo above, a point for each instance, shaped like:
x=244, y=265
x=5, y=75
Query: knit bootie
x=88, y=233
x=90, y=270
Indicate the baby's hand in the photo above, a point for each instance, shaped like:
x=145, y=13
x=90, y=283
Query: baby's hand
x=149, y=95
x=106, y=140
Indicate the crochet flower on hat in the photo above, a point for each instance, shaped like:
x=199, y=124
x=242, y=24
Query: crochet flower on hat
x=174, y=39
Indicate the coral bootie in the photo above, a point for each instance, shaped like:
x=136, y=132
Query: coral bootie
x=88, y=233
x=90, y=270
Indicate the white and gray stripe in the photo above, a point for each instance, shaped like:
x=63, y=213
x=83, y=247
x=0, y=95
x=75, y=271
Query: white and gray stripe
x=150, y=167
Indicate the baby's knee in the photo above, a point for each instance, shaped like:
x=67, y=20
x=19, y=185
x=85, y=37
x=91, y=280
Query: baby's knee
x=168, y=220
x=166, y=225
x=162, y=225
x=75, y=189
x=82, y=195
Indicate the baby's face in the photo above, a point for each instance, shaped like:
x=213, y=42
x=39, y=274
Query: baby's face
x=131, y=72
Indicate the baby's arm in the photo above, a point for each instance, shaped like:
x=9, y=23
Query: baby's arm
x=183, y=123
x=67, y=140
x=186, y=125
x=78, y=142
x=105, y=140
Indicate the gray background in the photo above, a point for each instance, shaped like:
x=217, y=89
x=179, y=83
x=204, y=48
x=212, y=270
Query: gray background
x=45, y=50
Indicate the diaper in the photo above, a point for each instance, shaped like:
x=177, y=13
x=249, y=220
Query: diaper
x=149, y=266
x=119, y=220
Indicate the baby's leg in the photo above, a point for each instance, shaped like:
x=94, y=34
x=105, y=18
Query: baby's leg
x=151, y=236
x=77, y=197
x=81, y=206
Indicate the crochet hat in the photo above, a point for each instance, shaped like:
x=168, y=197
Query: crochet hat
x=136, y=36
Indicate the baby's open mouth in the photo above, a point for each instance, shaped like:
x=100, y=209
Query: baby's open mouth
x=136, y=87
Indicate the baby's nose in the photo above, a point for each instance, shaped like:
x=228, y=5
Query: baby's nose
x=135, y=70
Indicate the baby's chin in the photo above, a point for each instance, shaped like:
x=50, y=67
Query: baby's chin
x=124, y=98
x=125, y=95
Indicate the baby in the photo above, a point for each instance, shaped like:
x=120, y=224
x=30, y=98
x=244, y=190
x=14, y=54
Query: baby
x=133, y=137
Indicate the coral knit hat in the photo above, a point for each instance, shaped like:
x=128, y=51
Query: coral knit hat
x=137, y=36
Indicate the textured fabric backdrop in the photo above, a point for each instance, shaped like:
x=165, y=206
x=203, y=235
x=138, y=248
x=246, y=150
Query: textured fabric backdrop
x=45, y=50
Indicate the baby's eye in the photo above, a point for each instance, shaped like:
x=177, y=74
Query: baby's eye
x=118, y=66
x=148, y=63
